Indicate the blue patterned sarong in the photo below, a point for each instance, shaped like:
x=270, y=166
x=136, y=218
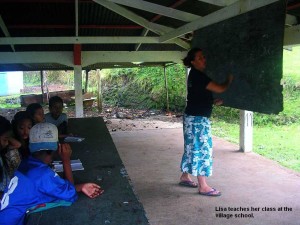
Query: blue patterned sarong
x=197, y=156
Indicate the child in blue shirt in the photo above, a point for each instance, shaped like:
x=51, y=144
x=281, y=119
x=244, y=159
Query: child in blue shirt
x=36, y=183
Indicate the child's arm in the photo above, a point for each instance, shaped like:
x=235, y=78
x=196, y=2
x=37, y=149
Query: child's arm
x=13, y=143
x=89, y=189
x=65, y=152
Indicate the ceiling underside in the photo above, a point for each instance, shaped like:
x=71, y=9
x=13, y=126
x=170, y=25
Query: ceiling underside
x=50, y=34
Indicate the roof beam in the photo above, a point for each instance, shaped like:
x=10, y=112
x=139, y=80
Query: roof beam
x=290, y=20
x=230, y=11
x=158, y=9
x=65, y=58
x=156, y=28
x=155, y=18
x=221, y=3
x=5, y=31
x=144, y=34
x=90, y=57
x=292, y=36
x=76, y=18
x=93, y=57
x=80, y=40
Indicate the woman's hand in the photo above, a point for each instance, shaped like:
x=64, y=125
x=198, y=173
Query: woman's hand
x=91, y=190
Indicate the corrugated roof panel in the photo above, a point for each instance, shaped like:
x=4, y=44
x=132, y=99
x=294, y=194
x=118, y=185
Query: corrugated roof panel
x=108, y=47
x=29, y=20
x=48, y=47
x=198, y=7
x=99, y=15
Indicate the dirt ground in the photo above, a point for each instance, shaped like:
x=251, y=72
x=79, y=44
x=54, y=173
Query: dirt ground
x=120, y=119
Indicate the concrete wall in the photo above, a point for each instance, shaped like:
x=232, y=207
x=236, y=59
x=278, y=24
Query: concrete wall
x=11, y=83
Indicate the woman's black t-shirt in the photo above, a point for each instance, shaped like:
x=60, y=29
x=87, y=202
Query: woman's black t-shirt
x=199, y=99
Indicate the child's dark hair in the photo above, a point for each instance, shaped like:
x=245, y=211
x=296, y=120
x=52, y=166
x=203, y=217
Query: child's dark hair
x=18, y=118
x=5, y=125
x=32, y=108
x=55, y=99
x=190, y=57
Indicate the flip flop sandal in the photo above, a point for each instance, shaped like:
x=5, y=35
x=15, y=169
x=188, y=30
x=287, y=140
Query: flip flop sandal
x=187, y=183
x=213, y=193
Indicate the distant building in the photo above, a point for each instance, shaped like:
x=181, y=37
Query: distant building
x=11, y=83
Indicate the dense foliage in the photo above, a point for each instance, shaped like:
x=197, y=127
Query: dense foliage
x=145, y=87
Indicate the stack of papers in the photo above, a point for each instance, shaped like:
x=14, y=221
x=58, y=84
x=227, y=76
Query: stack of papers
x=73, y=139
x=75, y=165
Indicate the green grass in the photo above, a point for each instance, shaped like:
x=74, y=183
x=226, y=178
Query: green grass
x=9, y=102
x=279, y=143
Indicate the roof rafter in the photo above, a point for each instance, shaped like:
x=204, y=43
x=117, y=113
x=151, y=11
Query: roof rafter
x=219, y=2
x=290, y=20
x=5, y=31
x=230, y=11
x=156, y=28
x=80, y=40
x=158, y=9
x=91, y=57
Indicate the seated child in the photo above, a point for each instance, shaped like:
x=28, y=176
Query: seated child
x=22, y=124
x=56, y=116
x=9, y=156
x=36, y=183
x=36, y=113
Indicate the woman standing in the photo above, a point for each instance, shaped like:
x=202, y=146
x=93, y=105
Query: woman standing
x=197, y=156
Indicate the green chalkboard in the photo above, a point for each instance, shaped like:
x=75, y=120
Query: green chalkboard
x=249, y=46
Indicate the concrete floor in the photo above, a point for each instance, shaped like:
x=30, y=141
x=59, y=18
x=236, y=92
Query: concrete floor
x=247, y=181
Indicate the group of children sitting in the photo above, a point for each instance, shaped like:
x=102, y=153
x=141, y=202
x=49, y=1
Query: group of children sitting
x=27, y=146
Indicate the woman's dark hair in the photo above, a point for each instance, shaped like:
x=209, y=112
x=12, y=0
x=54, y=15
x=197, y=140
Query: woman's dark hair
x=190, y=57
x=32, y=108
x=55, y=99
x=4, y=125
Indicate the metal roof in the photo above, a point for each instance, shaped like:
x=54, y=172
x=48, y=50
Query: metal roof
x=41, y=34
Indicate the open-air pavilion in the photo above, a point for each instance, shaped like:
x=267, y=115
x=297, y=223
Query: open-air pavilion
x=95, y=34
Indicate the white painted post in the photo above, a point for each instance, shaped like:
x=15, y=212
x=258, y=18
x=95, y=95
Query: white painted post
x=78, y=91
x=246, y=130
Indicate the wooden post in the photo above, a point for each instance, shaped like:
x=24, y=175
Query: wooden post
x=166, y=87
x=42, y=85
x=45, y=85
x=78, y=91
x=99, y=92
x=86, y=81
x=246, y=131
